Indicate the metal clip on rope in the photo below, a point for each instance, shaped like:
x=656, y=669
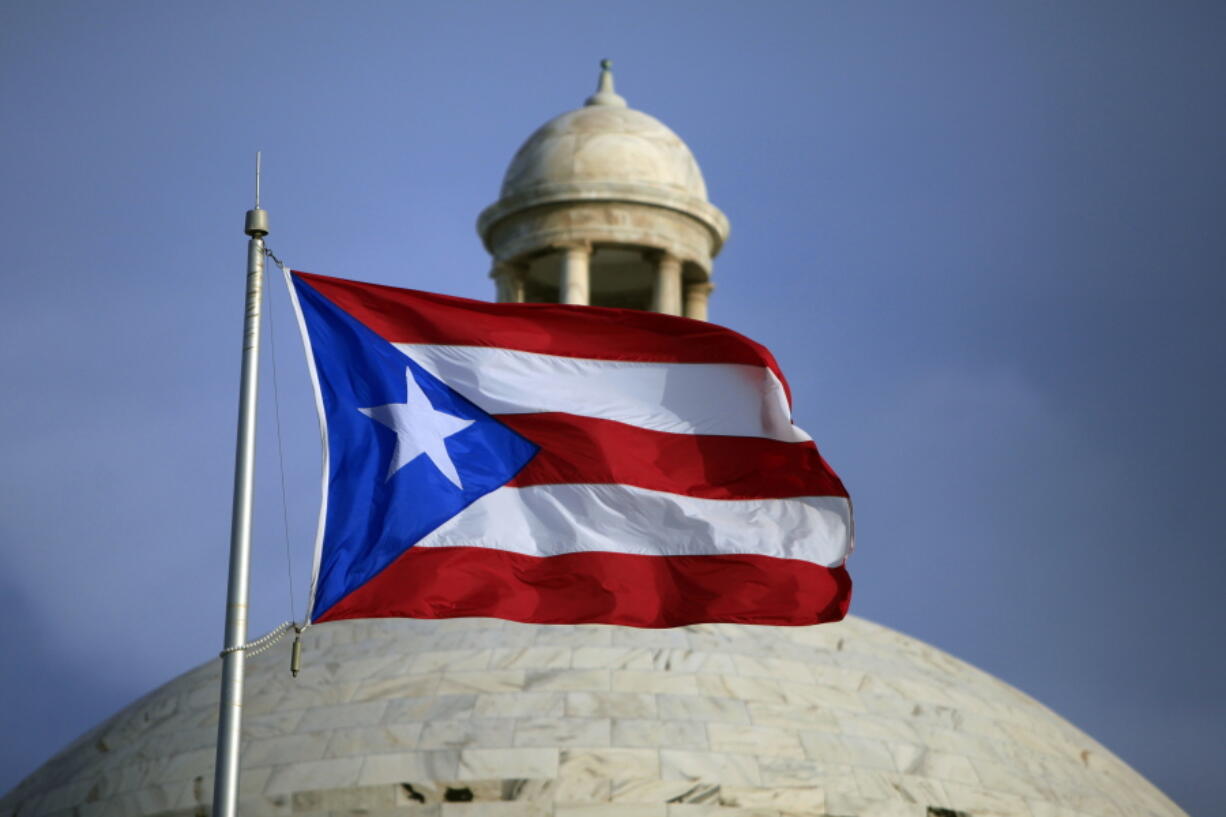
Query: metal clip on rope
x=295, y=655
x=273, y=256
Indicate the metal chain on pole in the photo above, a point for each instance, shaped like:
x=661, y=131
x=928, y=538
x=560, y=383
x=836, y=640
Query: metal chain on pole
x=267, y=640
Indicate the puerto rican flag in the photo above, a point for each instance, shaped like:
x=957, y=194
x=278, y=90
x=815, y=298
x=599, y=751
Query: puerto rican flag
x=560, y=464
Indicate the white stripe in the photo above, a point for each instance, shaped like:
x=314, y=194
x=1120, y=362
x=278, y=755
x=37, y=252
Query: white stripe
x=682, y=398
x=548, y=520
x=323, y=437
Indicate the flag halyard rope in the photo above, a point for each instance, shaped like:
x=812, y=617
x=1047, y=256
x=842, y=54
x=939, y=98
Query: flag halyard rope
x=270, y=638
x=276, y=401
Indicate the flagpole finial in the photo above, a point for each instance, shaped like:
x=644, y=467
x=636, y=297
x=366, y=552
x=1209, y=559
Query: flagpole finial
x=605, y=95
x=256, y=225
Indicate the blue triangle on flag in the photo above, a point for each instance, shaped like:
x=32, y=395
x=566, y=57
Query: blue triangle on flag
x=373, y=516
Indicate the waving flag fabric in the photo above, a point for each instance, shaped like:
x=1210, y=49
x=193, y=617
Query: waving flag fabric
x=561, y=464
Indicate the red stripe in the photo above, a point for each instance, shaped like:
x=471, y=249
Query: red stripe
x=600, y=588
x=589, y=450
x=410, y=316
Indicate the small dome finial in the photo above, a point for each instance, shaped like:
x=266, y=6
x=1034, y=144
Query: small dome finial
x=605, y=95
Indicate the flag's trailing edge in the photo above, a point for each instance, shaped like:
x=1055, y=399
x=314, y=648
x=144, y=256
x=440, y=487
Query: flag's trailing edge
x=560, y=464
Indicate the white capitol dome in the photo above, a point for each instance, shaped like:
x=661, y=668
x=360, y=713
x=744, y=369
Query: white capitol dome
x=485, y=718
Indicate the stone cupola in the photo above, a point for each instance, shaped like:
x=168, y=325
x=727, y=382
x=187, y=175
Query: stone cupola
x=605, y=205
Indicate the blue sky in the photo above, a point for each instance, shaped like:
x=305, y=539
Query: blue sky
x=985, y=241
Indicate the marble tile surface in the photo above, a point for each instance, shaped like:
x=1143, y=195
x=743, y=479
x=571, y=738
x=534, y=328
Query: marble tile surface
x=430, y=708
x=655, y=790
x=340, y=717
x=457, y=734
x=473, y=717
x=610, y=705
x=661, y=734
x=567, y=680
x=609, y=764
x=390, y=737
x=702, y=708
x=654, y=682
x=333, y=773
x=533, y=658
x=523, y=705
x=754, y=740
x=712, y=767
x=485, y=764
x=612, y=810
x=410, y=767
x=566, y=732
x=284, y=749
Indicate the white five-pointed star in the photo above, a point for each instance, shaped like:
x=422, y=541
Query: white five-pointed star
x=420, y=429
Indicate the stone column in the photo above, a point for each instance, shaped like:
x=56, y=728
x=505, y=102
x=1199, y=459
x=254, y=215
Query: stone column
x=696, y=295
x=575, y=286
x=509, y=280
x=666, y=297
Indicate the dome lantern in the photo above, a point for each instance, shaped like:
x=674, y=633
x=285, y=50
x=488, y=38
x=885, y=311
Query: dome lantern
x=605, y=205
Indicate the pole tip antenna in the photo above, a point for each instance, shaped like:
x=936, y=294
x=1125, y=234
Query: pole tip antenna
x=256, y=225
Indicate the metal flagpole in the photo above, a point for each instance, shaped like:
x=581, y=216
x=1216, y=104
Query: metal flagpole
x=229, y=726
